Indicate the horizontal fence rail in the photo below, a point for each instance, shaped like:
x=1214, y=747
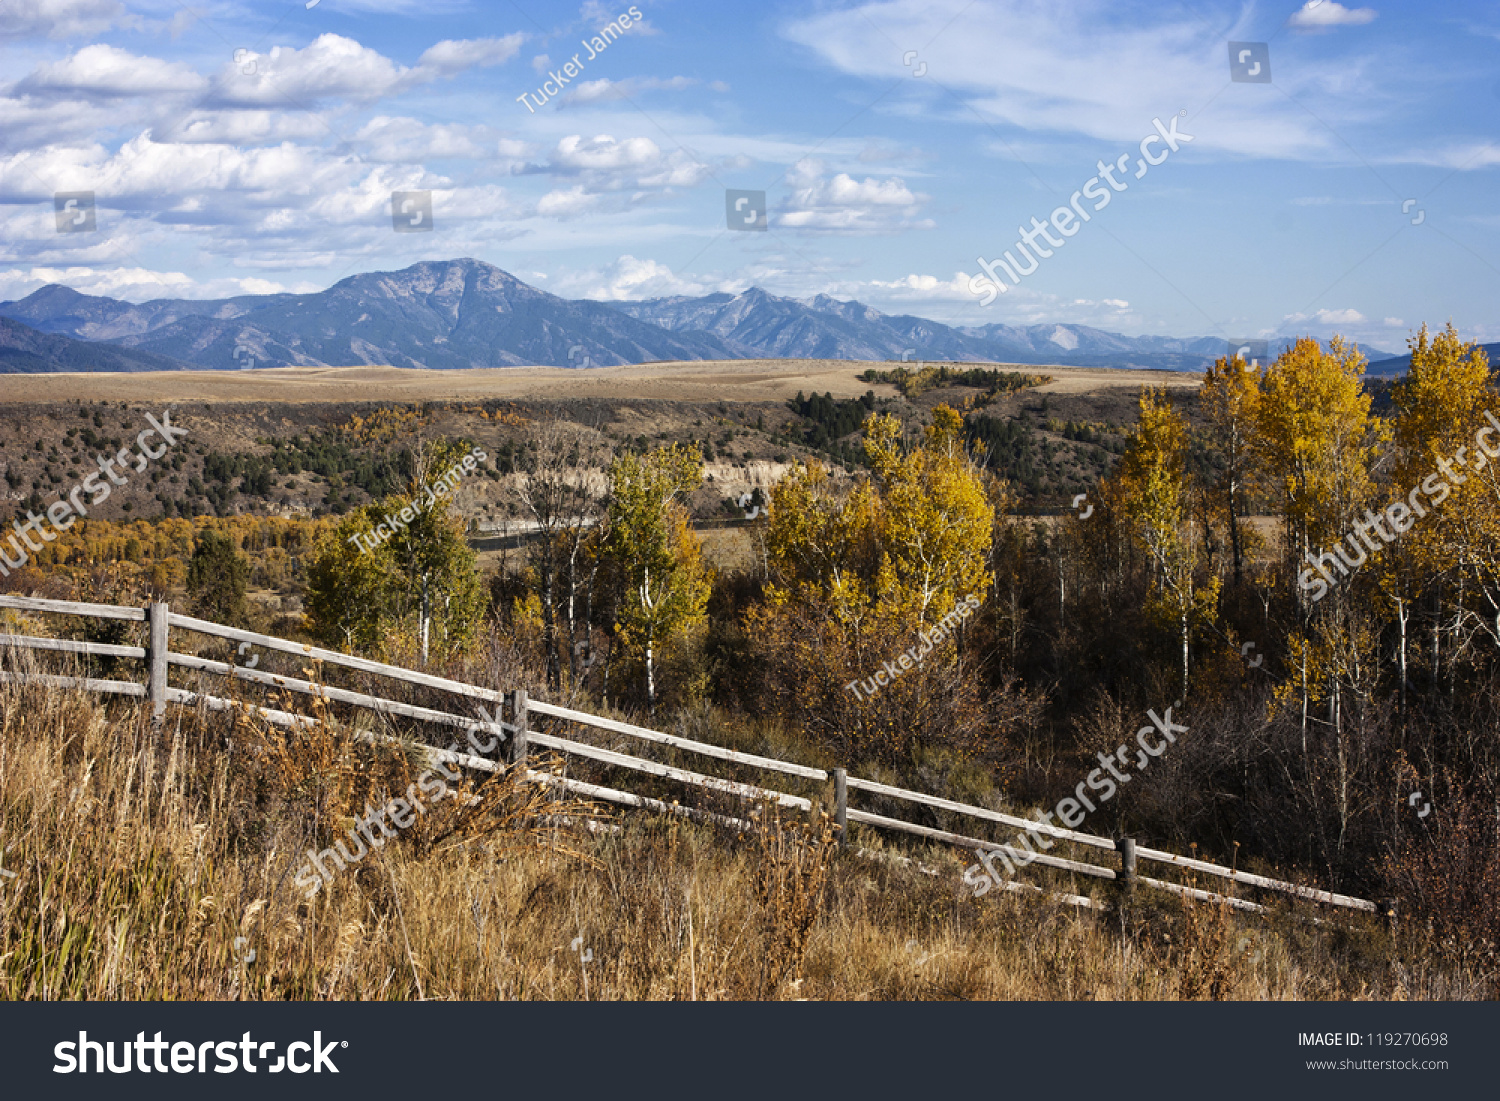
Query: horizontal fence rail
x=67, y=645
x=1253, y=880
x=88, y=684
x=338, y=695
x=979, y=812
x=72, y=607
x=333, y=657
x=159, y=659
x=679, y=743
x=973, y=843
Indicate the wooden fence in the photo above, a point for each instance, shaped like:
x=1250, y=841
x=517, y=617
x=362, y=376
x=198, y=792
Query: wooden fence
x=159, y=659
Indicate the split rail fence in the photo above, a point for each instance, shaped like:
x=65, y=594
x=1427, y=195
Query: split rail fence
x=159, y=659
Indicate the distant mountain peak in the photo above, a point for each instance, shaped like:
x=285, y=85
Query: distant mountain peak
x=466, y=312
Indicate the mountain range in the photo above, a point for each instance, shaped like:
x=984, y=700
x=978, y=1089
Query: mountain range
x=25, y=350
x=1398, y=365
x=466, y=313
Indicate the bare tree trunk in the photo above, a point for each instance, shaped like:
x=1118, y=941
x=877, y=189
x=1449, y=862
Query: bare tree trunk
x=1437, y=633
x=651, y=675
x=1402, y=615
x=1235, y=546
x=1062, y=597
x=1184, y=655
x=557, y=490
x=1336, y=716
x=549, y=616
x=426, y=618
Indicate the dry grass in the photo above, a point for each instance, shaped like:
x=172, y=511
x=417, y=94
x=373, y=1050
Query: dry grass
x=699, y=380
x=150, y=865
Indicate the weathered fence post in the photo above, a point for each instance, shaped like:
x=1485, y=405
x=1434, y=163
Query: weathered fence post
x=156, y=654
x=1125, y=846
x=1386, y=908
x=518, y=709
x=841, y=805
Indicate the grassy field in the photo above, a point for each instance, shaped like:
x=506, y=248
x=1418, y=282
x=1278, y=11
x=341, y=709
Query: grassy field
x=155, y=864
x=748, y=380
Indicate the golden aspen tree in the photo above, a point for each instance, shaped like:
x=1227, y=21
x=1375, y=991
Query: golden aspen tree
x=857, y=575
x=1152, y=492
x=935, y=524
x=1441, y=407
x=1317, y=443
x=666, y=582
x=1231, y=398
x=820, y=544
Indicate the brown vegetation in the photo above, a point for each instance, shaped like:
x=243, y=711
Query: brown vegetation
x=154, y=865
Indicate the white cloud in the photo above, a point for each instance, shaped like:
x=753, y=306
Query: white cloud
x=1394, y=323
x=924, y=288
x=277, y=206
x=1083, y=69
x=60, y=18
x=604, y=164
x=1329, y=13
x=335, y=67
x=571, y=203
x=159, y=174
x=104, y=72
x=245, y=127
x=331, y=67
x=406, y=140
x=677, y=169
x=603, y=152
x=141, y=284
x=595, y=14
x=950, y=302
x=455, y=55
x=1340, y=317
x=1462, y=157
x=1327, y=317
x=400, y=7
x=181, y=23
x=629, y=279
x=32, y=123
x=844, y=204
x=604, y=90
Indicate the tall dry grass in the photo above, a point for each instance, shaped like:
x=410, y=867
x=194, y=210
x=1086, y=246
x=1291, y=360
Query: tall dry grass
x=151, y=864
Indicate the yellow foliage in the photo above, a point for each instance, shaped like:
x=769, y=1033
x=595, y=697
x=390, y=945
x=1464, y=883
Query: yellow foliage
x=1317, y=441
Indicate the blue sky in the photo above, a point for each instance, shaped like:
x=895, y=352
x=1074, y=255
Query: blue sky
x=248, y=147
